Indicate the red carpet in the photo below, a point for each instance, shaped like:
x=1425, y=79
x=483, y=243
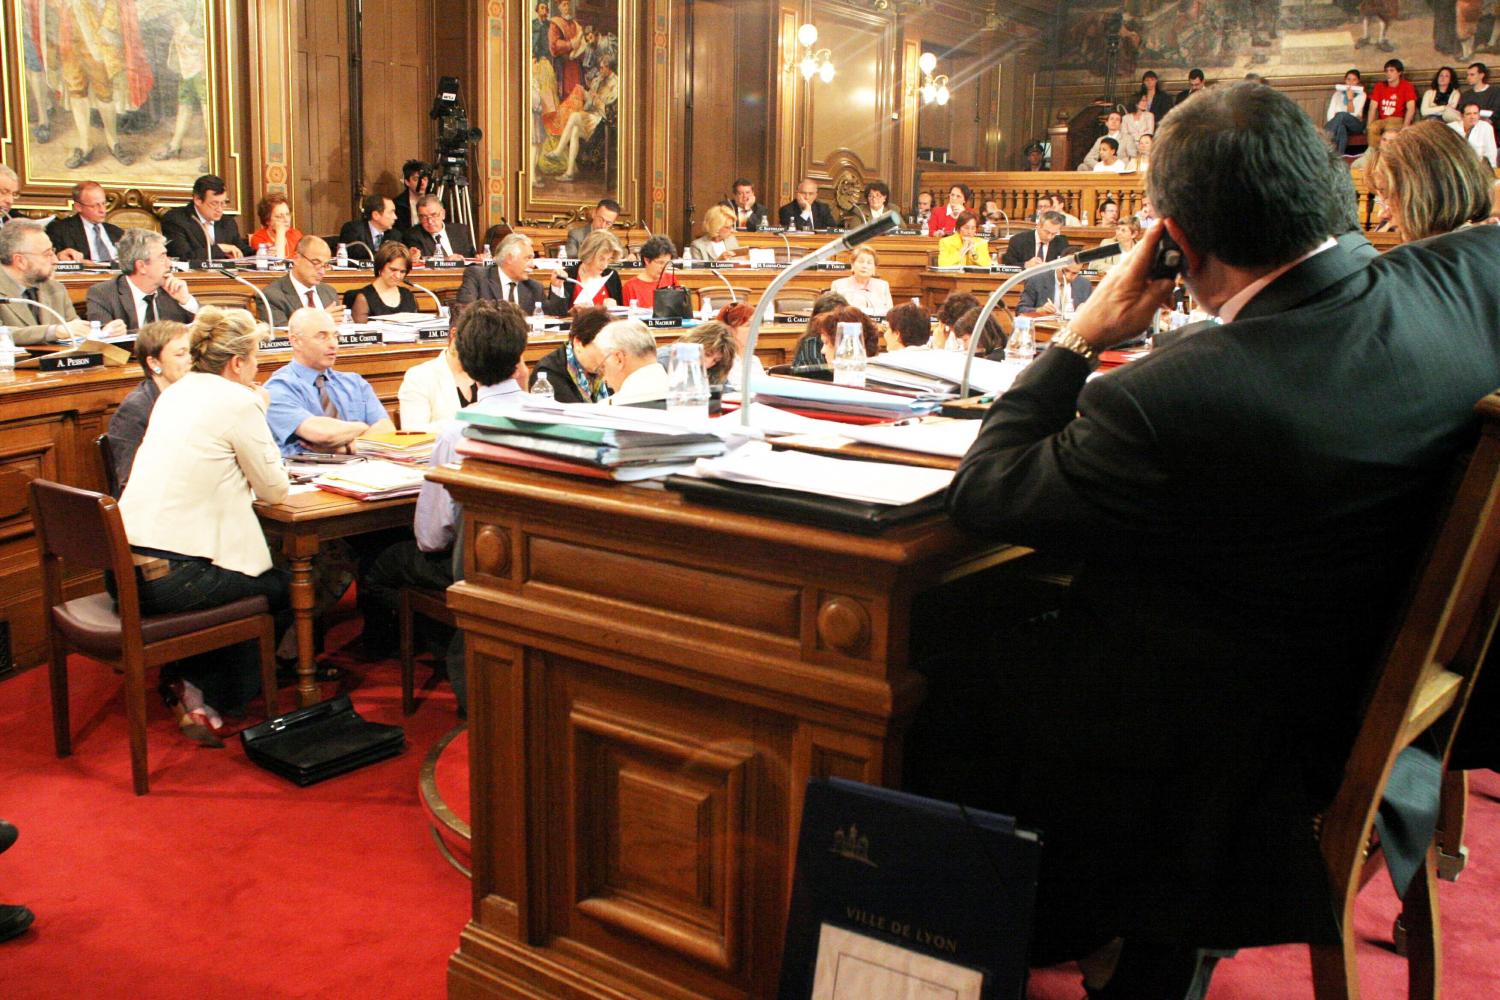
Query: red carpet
x=229, y=881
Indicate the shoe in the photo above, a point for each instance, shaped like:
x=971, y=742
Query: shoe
x=126, y=159
x=168, y=153
x=77, y=158
x=14, y=920
x=195, y=727
x=43, y=132
x=8, y=835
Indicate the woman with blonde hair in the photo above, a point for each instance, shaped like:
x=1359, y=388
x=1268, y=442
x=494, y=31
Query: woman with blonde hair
x=863, y=290
x=189, y=508
x=593, y=281
x=719, y=349
x=1432, y=182
x=718, y=240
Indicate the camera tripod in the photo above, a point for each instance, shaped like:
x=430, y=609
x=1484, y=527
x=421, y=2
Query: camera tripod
x=453, y=191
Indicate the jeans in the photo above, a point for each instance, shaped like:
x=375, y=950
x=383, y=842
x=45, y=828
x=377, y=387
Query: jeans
x=1340, y=127
x=229, y=677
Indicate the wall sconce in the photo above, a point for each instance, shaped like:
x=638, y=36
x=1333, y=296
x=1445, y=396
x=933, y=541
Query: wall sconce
x=817, y=62
x=934, y=88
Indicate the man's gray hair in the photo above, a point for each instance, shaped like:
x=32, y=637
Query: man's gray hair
x=135, y=246
x=10, y=175
x=514, y=245
x=13, y=234
x=1056, y=217
x=628, y=335
x=429, y=199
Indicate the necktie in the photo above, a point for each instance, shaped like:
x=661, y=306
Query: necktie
x=312, y=300
x=375, y=239
x=208, y=234
x=1041, y=248
x=442, y=247
x=31, y=294
x=148, y=309
x=329, y=410
x=101, y=248
x=513, y=294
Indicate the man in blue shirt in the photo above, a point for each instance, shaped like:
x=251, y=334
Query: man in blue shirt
x=313, y=407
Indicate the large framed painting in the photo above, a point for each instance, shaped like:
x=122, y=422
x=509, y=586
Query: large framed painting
x=581, y=81
x=128, y=93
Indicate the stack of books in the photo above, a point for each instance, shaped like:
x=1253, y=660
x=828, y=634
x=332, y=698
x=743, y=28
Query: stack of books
x=599, y=443
x=940, y=373
x=373, y=480
x=827, y=401
x=406, y=447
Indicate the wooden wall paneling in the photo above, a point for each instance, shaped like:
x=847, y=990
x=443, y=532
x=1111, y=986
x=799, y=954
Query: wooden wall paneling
x=754, y=77
x=663, y=194
x=713, y=159
x=498, y=76
x=398, y=76
x=266, y=66
x=787, y=137
x=321, y=186
x=903, y=175
x=853, y=111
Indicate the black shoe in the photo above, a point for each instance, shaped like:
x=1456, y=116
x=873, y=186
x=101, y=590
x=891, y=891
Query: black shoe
x=8, y=835
x=78, y=158
x=14, y=920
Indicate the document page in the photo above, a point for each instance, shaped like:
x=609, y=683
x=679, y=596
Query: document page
x=855, y=967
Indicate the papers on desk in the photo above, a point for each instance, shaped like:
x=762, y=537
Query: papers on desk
x=946, y=368
x=404, y=328
x=756, y=464
x=840, y=400
x=406, y=447
x=949, y=438
x=374, y=480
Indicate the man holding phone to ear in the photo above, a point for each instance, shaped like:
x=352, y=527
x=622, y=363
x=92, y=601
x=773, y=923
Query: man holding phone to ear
x=1248, y=506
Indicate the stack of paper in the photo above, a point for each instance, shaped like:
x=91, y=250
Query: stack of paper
x=836, y=402
x=374, y=480
x=407, y=447
x=943, y=371
x=867, y=482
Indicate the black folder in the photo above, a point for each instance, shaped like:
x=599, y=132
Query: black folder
x=806, y=508
x=320, y=742
x=929, y=877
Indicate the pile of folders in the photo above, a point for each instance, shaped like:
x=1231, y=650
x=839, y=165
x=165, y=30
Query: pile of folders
x=599, y=452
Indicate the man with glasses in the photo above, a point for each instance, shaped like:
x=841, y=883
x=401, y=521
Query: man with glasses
x=433, y=236
x=27, y=261
x=146, y=289
x=509, y=279
x=805, y=211
x=303, y=285
x=313, y=407
x=85, y=235
x=191, y=229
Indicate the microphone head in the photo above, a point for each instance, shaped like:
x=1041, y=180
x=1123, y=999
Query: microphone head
x=878, y=226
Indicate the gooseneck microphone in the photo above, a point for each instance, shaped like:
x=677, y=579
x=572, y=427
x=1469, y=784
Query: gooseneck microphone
x=23, y=300
x=878, y=226
x=270, y=316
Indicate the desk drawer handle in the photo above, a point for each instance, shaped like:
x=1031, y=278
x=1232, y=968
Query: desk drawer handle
x=492, y=550
x=844, y=624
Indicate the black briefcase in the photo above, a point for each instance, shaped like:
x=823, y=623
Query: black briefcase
x=321, y=741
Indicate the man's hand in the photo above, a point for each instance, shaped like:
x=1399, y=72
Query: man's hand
x=1125, y=302
x=1048, y=308
x=1034, y=261
x=70, y=254
x=335, y=309
x=113, y=328
x=230, y=250
x=177, y=288
x=75, y=329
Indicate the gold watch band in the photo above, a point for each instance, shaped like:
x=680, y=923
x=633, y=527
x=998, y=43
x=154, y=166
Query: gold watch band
x=1070, y=341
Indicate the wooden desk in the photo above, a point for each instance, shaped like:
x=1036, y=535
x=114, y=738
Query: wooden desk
x=301, y=523
x=938, y=285
x=651, y=684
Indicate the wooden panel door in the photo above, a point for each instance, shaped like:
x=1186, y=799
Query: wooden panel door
x=397, y=78
x=320, y=196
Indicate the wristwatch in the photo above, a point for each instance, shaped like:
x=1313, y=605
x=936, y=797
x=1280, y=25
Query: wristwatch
x=1070, y=341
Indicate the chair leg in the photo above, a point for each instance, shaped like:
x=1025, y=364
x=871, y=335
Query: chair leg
x=135, y=714
x=1335, y=970
x=57, y=670
x=408, y=665
x=267, y=640
x=1453, y=809
x=1424, y=951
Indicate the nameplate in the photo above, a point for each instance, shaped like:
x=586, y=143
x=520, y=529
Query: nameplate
x=767, y=266
x=704, y=265
x=214, y=265
x=425, y=335
x=770, y=229
x=978, y=269
x=282, y=343
x=663, y=322
x=359, y=338
x=353, y=265
x=1009, y=269
x=441, y=264
x=905, y=232
x=68, y=266
x=68, y=362
x=794, y=319
x=831, y=265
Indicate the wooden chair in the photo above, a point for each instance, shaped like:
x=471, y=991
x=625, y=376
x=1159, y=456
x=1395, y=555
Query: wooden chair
x=720, y=296
x=84, y=529
x=134, y=217
x=1423, y=687
x=796, y=302
x=431, y=604
x=107, y=461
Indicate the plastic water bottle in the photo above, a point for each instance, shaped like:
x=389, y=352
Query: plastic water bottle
x=347, y=326
x=7, y=355
x=849, y=359
x=537, y=317
x=263, y=257
x=687, y=382
x=487, y=256
x=542, y=388
x=1085, y=219
x=707, y=312
x=1022, y=345
x=925, y=230
x=96, y=331
x=341, y=255
x=635, y=305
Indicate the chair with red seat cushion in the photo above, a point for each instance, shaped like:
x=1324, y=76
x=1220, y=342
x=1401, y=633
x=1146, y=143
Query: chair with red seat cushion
x=84, y=530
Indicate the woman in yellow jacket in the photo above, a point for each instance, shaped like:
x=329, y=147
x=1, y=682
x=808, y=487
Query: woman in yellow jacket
x=964, y=245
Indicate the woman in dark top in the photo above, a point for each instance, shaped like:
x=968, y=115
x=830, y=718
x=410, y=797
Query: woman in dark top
x=593, y=280
x=1161, y=101
x=385, y=295
x=656, y=254
x=574, y=369
x=162, y=349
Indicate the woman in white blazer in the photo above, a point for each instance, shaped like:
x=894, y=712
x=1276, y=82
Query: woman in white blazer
x=434, y=391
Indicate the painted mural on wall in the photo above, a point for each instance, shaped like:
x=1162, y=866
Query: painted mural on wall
x=575, y=82
x=117, y=91
x=1228, y=38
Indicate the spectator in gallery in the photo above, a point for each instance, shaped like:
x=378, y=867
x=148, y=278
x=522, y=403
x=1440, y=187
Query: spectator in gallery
x=1113, y=129
x=944, y=218
x=1346, y=111
x=1479, y=133
x=1140, y=121
x=1196, y=82
x=1161, y=102
x=1392, y=105
x=1479, y=91
x=1441, y=99
x=1109, y=157
x=276, y=230
x=1035, y=157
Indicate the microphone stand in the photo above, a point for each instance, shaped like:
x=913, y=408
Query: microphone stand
x=732, y=297
x=361, y=243
x=1047, y=267
x=270, y=316
x=788, y=243
x=848, y=241
x=442, y=310
x=1007, y=220
x=23, y=300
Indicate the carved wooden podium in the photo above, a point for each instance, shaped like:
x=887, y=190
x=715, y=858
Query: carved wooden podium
x=651, y=683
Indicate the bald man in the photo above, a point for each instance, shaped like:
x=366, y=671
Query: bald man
x=313, y=407
x=303, y=285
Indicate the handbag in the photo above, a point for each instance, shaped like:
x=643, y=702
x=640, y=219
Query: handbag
x=321, y=741
x=672, y=302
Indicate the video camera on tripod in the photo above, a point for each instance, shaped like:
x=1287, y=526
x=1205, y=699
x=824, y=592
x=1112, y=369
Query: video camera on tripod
x=450, y=167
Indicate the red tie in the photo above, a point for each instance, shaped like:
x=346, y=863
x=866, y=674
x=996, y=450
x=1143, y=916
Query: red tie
x=312, y=299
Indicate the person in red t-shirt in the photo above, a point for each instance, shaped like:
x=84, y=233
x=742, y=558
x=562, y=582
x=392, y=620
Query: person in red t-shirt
x=1391, y=107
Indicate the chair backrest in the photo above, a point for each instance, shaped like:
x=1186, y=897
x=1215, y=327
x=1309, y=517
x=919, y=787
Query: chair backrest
x=795, y=302
x=1434, y=658
x=107, y=462
x=134, y=217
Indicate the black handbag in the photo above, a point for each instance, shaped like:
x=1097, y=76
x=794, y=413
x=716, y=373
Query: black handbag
x=321, y=741
x=672, y=302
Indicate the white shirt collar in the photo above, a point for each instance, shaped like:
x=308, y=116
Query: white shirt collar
x=301, y=290
x=1229, y=310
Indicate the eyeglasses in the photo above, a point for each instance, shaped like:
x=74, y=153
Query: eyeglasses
x=318, y=265
x=50, y=252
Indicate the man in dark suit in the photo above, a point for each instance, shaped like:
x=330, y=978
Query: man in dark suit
x=146, y=289
x=85, y=235
x=509, y=279
x=414, y=174
x=191, y=229
x=1054, y=294
x=603, y=217
x=805, y=211
x=303, y=284
x=748, y=213
x=434, y=236
x=1248, y=507
x=1021, y=251
x=377, y=214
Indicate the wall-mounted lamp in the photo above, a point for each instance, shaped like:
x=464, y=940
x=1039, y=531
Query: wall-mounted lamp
x=934, y=88
x=815, y=62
